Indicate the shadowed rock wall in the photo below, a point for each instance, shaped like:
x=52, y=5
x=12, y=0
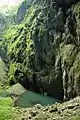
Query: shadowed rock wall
x=44, y=51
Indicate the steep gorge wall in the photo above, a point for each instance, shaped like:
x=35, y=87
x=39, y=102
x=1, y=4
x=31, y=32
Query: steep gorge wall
x=44, y=50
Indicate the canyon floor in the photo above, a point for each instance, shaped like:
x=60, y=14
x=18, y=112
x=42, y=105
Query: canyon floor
x=69, y=110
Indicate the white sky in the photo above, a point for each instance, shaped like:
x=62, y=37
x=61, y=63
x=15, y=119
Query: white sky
x=9, y=2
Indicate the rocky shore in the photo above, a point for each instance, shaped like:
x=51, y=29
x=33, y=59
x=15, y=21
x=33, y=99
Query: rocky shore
x=69, y=110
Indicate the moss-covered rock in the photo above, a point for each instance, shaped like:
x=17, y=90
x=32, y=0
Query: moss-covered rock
x=44, y=49
x=3, y=73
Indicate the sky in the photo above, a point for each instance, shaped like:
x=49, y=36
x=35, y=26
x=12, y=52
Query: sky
x=9, y=2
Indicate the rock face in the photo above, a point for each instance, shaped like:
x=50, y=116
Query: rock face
x=65, y=3
x=44, y=49
x=22, y=11
x=16, y=90
x=3, y=73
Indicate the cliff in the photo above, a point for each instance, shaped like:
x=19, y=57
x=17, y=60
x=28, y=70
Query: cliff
x=43, y=48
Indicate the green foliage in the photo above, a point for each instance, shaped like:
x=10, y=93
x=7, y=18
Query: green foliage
x=5, y=108
x=11, y=74
x=7, y=111
x=12, y=31
x=20, y=48
x=6, y=102
x=75, y=118
x=30, y=16
x=20, y=43
x=3, y=72
x=76, y=8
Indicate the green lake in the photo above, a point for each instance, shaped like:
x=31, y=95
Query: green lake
x=29, y=98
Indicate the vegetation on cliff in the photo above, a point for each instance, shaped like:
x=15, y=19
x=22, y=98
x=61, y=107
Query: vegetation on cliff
x=40, y=48
x=43, y=49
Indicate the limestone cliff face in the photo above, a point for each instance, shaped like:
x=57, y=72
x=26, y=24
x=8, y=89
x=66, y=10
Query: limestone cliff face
x=24, y=6
x=44, y=49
